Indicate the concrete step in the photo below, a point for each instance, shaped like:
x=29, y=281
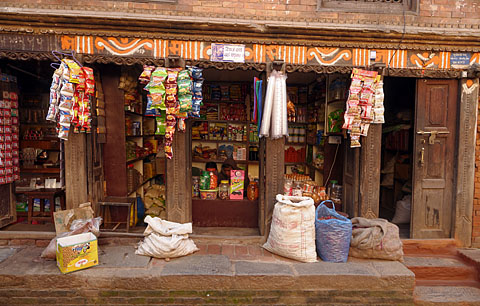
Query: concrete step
x=430, y=247
x=446, y=295
x=440, y=268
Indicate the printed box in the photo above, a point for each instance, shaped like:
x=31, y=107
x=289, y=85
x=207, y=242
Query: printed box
x=236, y=184
x=77, y=252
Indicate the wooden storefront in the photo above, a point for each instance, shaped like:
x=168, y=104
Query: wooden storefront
x=440, y=87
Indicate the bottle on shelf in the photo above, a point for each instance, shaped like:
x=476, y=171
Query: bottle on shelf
x=223, y=190
x=252, y=191
x=335, y=193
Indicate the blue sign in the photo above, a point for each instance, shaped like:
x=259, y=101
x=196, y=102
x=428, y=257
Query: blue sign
x=460, y=59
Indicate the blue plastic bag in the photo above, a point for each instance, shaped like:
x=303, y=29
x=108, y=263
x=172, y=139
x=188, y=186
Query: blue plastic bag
x=332, y=234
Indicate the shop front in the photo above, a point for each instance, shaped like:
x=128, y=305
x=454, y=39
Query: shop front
x=422, y=153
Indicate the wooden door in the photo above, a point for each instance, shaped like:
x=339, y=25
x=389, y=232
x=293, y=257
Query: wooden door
x=351, y=180
x=433, y=158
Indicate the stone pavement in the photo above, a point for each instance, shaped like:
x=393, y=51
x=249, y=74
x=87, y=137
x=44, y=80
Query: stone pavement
x=217, y=274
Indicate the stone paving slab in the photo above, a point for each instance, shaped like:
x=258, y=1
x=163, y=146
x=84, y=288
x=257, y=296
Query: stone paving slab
x=121, y=257
x=6, y=252
x=433, y=262
x=446, y=295
x=265, y=268
x=199, y=265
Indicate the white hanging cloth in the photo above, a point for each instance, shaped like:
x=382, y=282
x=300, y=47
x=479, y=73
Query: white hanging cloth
x=275, y=107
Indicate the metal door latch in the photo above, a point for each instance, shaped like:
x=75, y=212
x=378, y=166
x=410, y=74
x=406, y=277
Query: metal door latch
x=433, y=135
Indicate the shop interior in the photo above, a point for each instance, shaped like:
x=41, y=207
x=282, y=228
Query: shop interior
x=40, y=153
x=397, y=152
x=223, y=141
x=226, y=131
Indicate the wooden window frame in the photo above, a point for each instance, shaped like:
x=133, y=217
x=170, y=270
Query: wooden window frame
x=359, y=6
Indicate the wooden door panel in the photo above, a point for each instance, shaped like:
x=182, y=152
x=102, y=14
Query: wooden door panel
x=433, y=177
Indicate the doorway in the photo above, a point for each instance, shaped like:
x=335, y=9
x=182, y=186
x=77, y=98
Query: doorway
x=397, y=152
x=418, y=156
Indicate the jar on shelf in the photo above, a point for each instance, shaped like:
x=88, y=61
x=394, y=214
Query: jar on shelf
x=196, y=186
x=252, y=191
x=223, y=190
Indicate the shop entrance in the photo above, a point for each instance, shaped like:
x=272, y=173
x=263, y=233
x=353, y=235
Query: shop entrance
x=418, y=149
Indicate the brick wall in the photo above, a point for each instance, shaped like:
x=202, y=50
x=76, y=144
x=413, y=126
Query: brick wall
x=476, y=196
x=445, y=14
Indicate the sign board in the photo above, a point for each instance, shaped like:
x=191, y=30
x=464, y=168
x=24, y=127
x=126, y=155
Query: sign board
x=228, y=53
x=460, y=60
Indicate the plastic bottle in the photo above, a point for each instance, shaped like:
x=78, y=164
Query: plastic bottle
x=252, y=191
x=335, y=192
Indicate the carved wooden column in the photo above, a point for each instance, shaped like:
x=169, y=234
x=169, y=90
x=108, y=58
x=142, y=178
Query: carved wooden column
x=75, y=170
x=466, y=161
x=275, y=168
x=178, y=182
x=370, y=158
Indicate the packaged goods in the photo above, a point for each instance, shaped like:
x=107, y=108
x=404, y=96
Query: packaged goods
x=210, y=194
x=223, y=190
x=236, y=184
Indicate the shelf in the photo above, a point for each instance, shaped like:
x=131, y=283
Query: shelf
x=201, y=160
x=315, y=167
x=223, y=121
x=42, y=144
x=296, y=163
x=127, y=112
x=49, y=124
x=295, y=143
x=141, y=185
x=298, y=123
x=226, y=101
x=139, y=158
x=220, y=141
x=337, y=100
x=41, y=170
x=147, y=135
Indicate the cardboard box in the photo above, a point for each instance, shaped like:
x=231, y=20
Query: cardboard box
x=236, y=184
x=77, y=252
x=63, y=219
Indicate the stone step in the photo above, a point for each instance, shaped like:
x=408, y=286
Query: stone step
x=429, y=247
x=440, y=268
x=446, y=295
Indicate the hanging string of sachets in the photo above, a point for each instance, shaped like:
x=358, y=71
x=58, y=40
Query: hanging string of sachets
x=364, y=104
x=275, y=108
x=71, y=92
x=174, y=95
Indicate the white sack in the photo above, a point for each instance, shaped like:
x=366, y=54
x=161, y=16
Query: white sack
x=156, y=245
x=166, y=228
x=292, y=233
x=402, y=210
x=277, y=111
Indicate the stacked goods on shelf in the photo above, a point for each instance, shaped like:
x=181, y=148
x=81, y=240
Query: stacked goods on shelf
x=71, y=92
x=302, y=186
x=293, y=155
x=155, y=201
x=9, y=132
x=200, y=130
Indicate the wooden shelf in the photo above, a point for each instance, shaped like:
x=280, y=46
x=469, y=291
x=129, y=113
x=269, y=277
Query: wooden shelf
x=127, y=112
x=295, y=143
x=231, y=213
x=139, y=158
x=226, y=101
x=224, y=121
x=147, y=135
x=296, y=163
x=298, y=123
x=142, y=184
x=42, y=144
x=49, y=124
x=41, y=170
x=315, y=167
x=220, y=141
x=199, y=160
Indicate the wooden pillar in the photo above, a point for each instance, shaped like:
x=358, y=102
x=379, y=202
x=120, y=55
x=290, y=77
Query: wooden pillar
x=178, y=180
x=467, y=129
x=75, y=170
x=370, y=158
x=275, y=169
